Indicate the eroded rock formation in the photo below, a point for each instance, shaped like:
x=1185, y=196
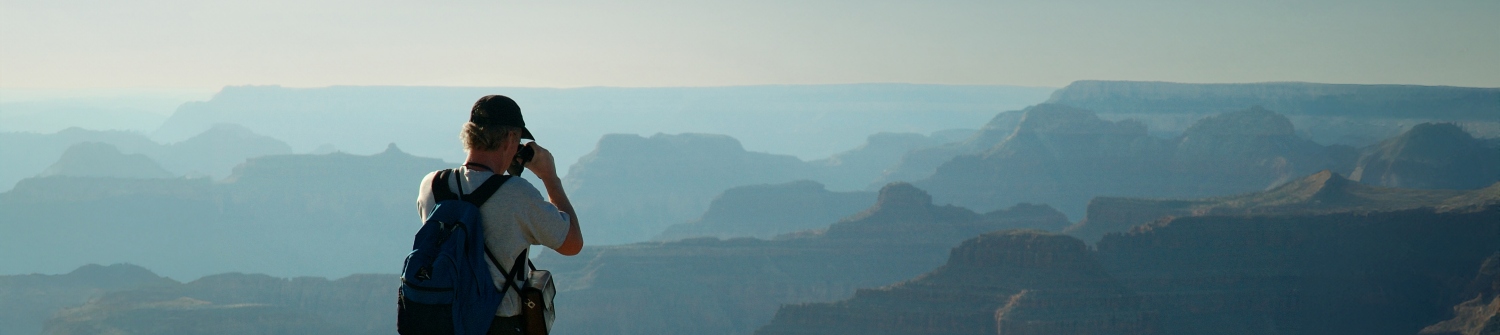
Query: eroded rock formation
x=1388, y=272
x=240, y=304
x=1480, y=315
x=96, y=159
x=1355, y=115
x=634, y=187
x=1319, y=256
x=709, y=285
x=1430, y=155
x=1322, y=192
x=764, y=211
x=1009, y=282
x=26, y=301
x=1065, y=156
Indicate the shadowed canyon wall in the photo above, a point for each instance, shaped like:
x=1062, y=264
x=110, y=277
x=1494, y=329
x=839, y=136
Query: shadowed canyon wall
x=1280, y=271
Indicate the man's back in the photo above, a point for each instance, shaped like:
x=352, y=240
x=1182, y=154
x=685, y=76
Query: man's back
x=515, y=218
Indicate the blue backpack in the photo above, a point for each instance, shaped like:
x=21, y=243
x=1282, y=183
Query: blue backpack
x=446, y=287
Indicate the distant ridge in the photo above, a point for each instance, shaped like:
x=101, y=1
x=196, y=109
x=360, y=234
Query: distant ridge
x=767, y=210
x=1322, y=192
x=809, y=121
x=26, y=301
x=211, y=153
x=269, y=217
x=1291, y=98
x=904, y=210
x=1064, y=156
x=1430, y=155
x=228, y=303
x=95, y=159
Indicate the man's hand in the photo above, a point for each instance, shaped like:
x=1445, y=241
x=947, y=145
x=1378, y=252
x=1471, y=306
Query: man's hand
x=541, y=163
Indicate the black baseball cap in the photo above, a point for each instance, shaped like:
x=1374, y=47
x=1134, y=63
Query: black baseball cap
x=499, y=110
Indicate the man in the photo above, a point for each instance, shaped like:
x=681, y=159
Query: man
x=517, y=216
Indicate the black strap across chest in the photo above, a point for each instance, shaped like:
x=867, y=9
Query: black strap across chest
x=440, y=191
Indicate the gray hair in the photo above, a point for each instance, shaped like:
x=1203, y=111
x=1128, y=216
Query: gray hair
x=485, y=137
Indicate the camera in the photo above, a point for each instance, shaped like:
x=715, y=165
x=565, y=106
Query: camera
x=523, y=155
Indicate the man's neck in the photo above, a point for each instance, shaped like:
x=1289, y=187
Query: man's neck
x=478, y=167
x=486, y=161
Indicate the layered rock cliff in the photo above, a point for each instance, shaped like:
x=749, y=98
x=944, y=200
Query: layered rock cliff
x=1256, y=147
x=1384, y=272
x=765, y=211
x=709, y=285
x=1054, y=151
x=1065, y=156
x=1009, y=282
x=1430, y=155
x=1270, y=270
x=1322, y=192
x=634, y=187
x=921, y=163
x=26, y=301
x=237, y=303
x=1480, y=315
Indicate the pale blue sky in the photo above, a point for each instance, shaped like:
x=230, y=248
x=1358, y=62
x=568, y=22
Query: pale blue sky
x=192, y=44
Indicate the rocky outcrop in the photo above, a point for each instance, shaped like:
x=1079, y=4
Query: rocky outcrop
x=765, y=211
x=1255, y=146
x=1480, y=315
x=634, y=187
x=1271, y=270
x=1009, y=282
x=240, y=304
x=1053, y=152
x=1476, y=199
x=1115, y=214
x=27, y=155
x=921, y=163
x=1065, y=156
x=1322, y=192
x=218, y=150
x=905, y=211
x=1430, y=155
x=734, y=286
x=26, y=301
x=95, y=159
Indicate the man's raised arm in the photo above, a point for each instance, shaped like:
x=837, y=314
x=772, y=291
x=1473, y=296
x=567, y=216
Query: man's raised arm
x=545, y=169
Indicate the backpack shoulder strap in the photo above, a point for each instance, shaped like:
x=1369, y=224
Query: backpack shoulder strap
x=486, y=189
x=440, y=191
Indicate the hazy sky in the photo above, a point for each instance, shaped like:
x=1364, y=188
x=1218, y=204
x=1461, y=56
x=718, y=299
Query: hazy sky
x=567, y=43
